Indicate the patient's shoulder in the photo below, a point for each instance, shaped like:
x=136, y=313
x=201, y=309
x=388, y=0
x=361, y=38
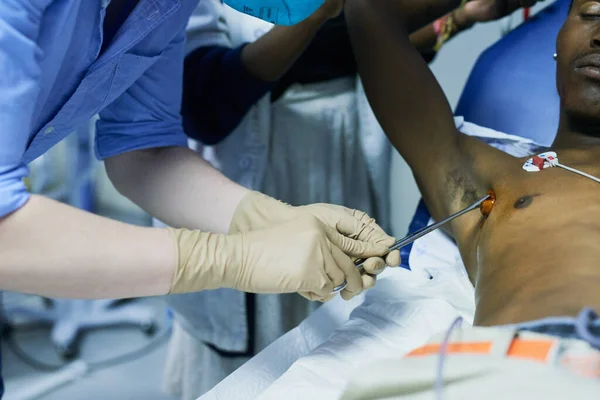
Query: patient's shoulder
x=514, y=145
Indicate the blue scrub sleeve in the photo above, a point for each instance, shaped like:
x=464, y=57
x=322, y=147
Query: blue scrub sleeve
x=218, y=92
x=20, y=73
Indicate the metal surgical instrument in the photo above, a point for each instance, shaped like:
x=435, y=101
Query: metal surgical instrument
x=416, y=235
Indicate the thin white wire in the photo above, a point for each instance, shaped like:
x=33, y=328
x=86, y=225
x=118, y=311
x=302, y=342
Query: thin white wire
x=577, y=172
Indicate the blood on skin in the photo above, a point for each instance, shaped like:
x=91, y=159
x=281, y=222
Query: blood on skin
x=487, y=205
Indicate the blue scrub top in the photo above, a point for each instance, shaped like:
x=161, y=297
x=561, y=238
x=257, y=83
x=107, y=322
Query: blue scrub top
x=134, y=85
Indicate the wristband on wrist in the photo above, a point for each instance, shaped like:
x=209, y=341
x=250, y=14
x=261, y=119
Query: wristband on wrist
x=445, y=27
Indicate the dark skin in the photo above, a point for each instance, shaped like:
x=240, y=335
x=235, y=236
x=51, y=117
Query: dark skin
x=114, y=11
x=537, y=253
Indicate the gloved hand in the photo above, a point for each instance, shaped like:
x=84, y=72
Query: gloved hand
x=302, y=255
x=257, y=211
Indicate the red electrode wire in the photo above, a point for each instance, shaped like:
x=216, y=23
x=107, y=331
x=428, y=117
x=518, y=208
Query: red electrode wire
x=526, y=14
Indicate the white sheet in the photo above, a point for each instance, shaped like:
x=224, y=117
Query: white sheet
x=261, y=371
x=401, y=314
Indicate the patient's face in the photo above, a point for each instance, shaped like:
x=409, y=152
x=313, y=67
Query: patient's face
x=578, y=63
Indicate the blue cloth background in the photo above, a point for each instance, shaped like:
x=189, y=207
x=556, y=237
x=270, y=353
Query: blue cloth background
x=512, y=86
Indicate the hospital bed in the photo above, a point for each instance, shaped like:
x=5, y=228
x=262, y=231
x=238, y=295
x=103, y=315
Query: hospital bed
x=406, y=307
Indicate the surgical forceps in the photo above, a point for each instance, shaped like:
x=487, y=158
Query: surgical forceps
x=416, y=235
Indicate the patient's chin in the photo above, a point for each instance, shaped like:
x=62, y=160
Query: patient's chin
x=586, y=99
x=595, y=134
x=584, y=117
x=587, y=124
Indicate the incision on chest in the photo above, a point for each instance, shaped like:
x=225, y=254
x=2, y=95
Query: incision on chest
x=487, y=205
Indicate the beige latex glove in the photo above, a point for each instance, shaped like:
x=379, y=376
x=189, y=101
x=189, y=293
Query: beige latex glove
x=302, y=255
x=257, y=211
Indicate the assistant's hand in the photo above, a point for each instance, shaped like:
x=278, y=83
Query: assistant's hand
x=490, y=10
x=330, y=9
x=257, y=211
x=303, y=255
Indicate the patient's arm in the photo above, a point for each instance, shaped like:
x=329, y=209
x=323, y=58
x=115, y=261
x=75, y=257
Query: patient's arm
x=451, y=169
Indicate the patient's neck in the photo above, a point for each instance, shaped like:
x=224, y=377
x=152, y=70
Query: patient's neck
x=576, y=132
